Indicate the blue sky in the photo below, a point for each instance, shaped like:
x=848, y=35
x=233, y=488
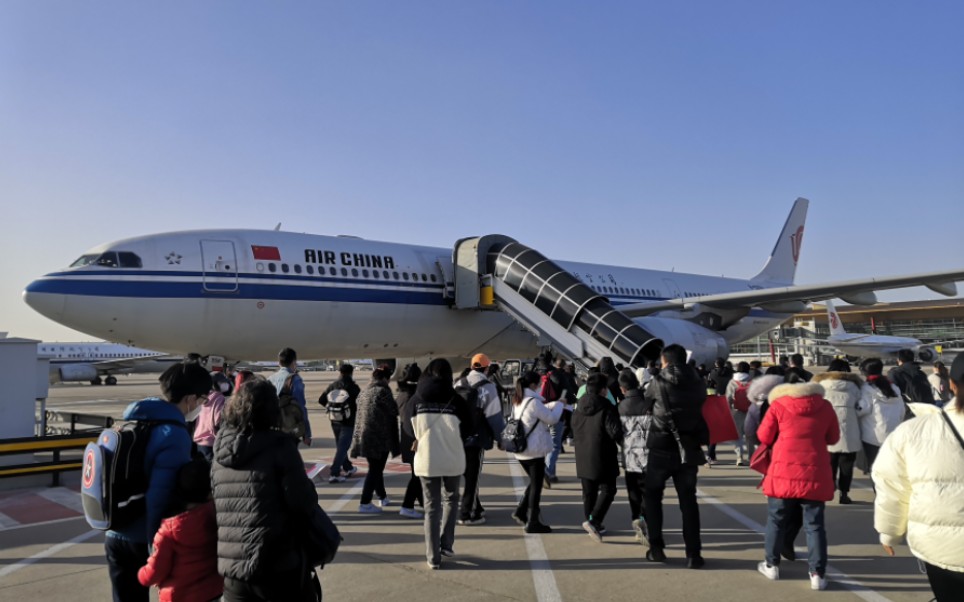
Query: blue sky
x=663, y=135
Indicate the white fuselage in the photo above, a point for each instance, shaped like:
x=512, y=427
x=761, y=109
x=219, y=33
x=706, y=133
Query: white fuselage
x=864, y=345
x=244, y=294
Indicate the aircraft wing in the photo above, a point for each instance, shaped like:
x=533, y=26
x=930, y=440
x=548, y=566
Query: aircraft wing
x=793, y=299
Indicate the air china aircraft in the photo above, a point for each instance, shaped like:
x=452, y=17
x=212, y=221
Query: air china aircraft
x=88, y=362
x=872, y=345
x=243, y=294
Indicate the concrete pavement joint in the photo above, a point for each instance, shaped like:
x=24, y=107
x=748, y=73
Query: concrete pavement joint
x=542, y=576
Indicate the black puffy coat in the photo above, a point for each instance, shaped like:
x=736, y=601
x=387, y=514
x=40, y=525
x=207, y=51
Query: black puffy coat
x=912, y=382
x=677, y=392
x=264, y=502
x=349, y=386
x=406, y=410
x=596, y=431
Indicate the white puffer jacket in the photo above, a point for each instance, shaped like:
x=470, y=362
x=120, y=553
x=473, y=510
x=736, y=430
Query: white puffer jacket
x=919, y=476
x=879, y=414
x=534, y=408
x=842, y=390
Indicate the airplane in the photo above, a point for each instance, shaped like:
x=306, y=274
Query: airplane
x=872, y=345
x=239, y=294
x=88, y=362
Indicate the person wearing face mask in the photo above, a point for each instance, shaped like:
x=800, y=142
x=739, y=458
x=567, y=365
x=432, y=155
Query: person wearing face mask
x=209, y=416
x=185, y=388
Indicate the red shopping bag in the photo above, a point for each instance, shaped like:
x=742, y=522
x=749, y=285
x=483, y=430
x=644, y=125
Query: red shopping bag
x=716, y=412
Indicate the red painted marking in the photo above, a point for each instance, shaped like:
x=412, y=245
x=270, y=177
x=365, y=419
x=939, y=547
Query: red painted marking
x=88, y=469
x=27, y=508
x=796, y=241
x=833, y=319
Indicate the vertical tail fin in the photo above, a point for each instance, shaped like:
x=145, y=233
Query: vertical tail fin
x=836, y=324
x=782, y=265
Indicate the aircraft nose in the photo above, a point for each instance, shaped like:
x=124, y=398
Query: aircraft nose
x=44, y=302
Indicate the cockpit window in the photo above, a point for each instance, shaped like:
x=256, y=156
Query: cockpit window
x=110, y=259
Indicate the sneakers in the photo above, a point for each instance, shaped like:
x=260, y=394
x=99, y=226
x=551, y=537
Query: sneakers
x=411, y=513
x=642, y=533
x=472, y=521
x=351, y=472
x=845, y=499
x=537, y=527
x=520, y=518
x=432, y=565
x=817, y=582
x=695, y=562
x=770, y=572
x=336, y=479
x=369, y=509
x=656, y=555
x=448, y=552
x=384, y=502
x=740, y=462
x=592, y=531
x=547, y=482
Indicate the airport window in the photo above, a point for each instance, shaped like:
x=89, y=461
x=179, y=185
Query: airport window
x=344, y=271
x=405, y=275
x=364, y=273
x=297, y=268
x=309, y=269
x=354, y=272
x=129, y=260
x=272, y=268
x=285, y=268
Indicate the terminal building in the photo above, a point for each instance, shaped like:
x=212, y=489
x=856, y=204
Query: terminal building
x=933, y=322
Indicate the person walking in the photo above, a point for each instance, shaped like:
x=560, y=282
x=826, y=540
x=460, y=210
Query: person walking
x=536, y=417
x=675, y=452
x=406, y=411
x=209, y=420
x=288, y=382
x=737, y=395
x=919, y=477
x=798, y=427
x=843, y=390
x=264, y=502
x=340, y=401
x=940, y=383
x=796, y=367
x=375, y=437
x=910, y=379
x=597, y=431
x=441, y=421
x=758, y=394
x=882, y=409
x=556, y=386
x=636, y=416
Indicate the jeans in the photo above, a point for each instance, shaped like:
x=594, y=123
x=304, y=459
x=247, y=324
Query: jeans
x=528, y=507
x=124, y=559
x=343, y=432
x=413, y=493
x=845, y=463
x=660, y=467
x=780, y=513
x=597, y=497
x=739, y=418
x=471, y=505
x=441, y=506
x=946, y=585
x=375, y=478
x=555, y=431
x=635, y=490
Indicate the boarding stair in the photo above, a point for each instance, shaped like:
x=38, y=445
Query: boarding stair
x=496, y=272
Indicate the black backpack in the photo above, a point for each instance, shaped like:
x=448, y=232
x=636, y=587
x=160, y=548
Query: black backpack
x=292, y=416
x=479, y=426
x=917, y=389
x=515, y=439
x=113, y=484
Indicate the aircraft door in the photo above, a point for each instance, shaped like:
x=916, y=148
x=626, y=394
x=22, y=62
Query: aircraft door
x=220, y=266
x=673, y=288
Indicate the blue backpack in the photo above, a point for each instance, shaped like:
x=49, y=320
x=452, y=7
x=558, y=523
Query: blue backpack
x=113, y=484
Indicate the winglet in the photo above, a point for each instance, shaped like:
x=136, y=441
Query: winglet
x=782, y=265
x=833, y=318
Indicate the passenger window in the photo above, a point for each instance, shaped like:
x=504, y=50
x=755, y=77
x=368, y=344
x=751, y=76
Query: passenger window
x=385, y=274
x=272, y=268
x=354, y=272
x=405, y=275
x=375, y=274
x=364, y=273
x=395, y=275
x=321, y=271
x=129, y=260
x=309, y=269
x=424, y=278
x=344, y=271
x=284, y=268
x=414, y=277
x=297, y=268
x=434, y=279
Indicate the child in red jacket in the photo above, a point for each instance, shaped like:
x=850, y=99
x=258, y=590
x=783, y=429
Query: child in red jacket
x=184, y=564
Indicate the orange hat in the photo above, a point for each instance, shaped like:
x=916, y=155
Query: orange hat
x=480, y=360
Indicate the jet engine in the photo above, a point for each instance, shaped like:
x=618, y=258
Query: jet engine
x=705, y=345
x=926, y=354
x=72, y=373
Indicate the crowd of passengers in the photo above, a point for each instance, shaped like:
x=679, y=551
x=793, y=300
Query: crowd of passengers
x=227, y=513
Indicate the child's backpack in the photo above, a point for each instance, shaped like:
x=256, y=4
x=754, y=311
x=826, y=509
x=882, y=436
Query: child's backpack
x=515, y=439
x=113, y=485
x=741, y=397
x=470, y=393
x=292, y=416
x=338, y=406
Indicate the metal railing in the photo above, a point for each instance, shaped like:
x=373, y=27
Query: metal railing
x=54, y=445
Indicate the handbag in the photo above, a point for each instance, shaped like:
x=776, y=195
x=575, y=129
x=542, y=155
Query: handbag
x=760, y=461
x=321, y=539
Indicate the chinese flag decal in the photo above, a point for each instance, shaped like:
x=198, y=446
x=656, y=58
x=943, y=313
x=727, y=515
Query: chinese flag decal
x=266, y=253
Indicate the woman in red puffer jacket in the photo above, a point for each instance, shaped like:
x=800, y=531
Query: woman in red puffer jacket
x=798, y=428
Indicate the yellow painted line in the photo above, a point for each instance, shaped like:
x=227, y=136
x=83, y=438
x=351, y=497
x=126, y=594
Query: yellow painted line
x=41, y=445
x=12, y=472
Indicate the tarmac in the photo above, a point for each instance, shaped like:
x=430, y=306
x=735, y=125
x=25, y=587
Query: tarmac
x=48, y=552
